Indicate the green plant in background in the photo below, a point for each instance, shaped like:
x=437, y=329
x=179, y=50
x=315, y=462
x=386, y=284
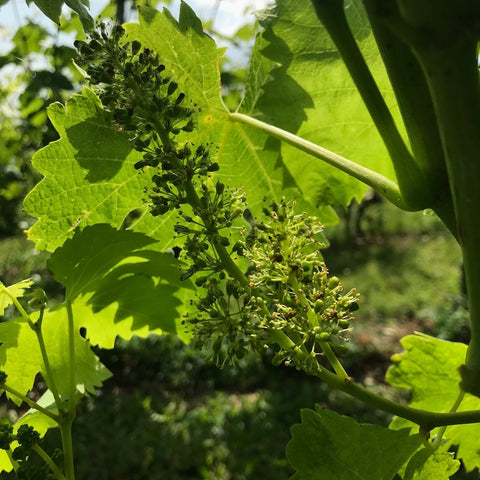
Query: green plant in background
x=153, y=134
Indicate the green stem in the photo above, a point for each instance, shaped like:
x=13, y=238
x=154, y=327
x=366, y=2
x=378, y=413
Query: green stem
x=46, y=458
x=37, y=328
x=439, y=436
x=19, y=307
x=414, y=185
x=71, y=357
x=426, y=419
x=67, y=444
x=333, y=360
x=31, y=403
x=452, y=75
x=67, y=422
x=385, y=187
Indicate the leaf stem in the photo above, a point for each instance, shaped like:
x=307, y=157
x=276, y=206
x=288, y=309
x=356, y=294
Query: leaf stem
x=439, y=436
x=31, y=403
x=384, y=186
x=46, y=458
x=426, y=419
x=67, y=444
x=71, y=357
x=37, y=328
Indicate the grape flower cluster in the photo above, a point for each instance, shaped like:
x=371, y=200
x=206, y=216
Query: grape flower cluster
x=267, y=282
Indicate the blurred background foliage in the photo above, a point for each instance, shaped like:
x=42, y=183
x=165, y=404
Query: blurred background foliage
x=166, y=412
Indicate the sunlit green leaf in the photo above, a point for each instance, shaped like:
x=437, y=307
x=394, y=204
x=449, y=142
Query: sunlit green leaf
x=21, y=359
x=429, y=368
x=53, y=8
x=15, y=291
x=119, y=285
x=311, y=93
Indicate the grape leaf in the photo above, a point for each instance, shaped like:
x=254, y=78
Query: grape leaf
x=429, y=464
x=21, y=359
x=118, y=286
x=89, y=174
x=429, y=368
x=330, y=446
x=193, y=59
x=15, y=291
x=53, y=8
x=310, y=93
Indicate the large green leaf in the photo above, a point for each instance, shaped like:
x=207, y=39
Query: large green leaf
x=89, y=173
x=311, y=93
x=21, y=359
x=89, y=176
x=118, y=286
x=193, y=59
x=429, y=368
x=329, y=446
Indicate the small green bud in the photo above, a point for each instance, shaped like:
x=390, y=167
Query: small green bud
x=38, y=299
x=353, y=306
x=136, y=45
x=333, y=283
x=219, y=188
x=213, y=167
x=172, y=86
x=319, y=305
x=343, y=323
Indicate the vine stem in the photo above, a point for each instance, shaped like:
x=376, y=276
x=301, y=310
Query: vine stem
x=379, y=183
x=414, y=184
x=439, y=436
x=71, y=357
x=31, y=403
x=46, y=458
x=67, y=444
x=66, y=425
x=37, y=328
x=426, y=419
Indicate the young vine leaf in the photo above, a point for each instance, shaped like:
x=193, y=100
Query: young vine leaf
x=328, y=445
x=53, y=9
x=429, y=368
x=437, y=464
x=16, y=291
